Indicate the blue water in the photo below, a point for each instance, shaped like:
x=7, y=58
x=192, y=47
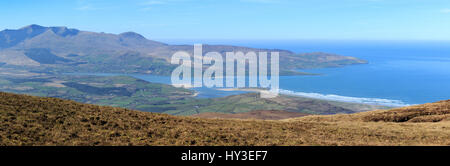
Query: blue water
x=202, y=92
x=399, y=72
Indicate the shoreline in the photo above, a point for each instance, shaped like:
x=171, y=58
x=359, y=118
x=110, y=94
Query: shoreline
x=328, y=97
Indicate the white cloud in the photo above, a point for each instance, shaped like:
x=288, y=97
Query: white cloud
x=153, y=2
x=261, y=1
x=86, y=8
x=445, y=10
x=148, y=5
x=85, y=5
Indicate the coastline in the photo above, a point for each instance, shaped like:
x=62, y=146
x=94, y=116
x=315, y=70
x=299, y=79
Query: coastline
x=328, y=97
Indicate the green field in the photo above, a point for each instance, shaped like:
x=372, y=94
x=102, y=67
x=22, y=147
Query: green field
x=132, y=93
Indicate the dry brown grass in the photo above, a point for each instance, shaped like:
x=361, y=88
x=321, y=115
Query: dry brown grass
x=256, y=115
x=26, y=120
x=434, y=112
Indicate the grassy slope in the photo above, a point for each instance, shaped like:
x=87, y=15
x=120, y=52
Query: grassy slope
x=258, y=114
x=26, y=120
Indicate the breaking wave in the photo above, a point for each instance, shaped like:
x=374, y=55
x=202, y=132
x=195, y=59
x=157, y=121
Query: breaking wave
x=332, y=97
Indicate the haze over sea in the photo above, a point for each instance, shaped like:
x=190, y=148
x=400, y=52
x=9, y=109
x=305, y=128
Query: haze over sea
x=399, y=72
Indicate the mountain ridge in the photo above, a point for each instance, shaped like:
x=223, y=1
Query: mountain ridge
x=101, y=51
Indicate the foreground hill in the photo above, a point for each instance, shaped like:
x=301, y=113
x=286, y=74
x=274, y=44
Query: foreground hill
x=26, y=120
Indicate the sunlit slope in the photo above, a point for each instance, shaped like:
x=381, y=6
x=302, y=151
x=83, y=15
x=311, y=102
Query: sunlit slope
x=26, y=120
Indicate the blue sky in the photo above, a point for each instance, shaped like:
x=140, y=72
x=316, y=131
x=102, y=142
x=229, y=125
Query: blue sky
x=240, y=19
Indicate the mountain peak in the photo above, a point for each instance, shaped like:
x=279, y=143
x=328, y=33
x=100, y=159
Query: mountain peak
x=64, y=31
x=61, y=30
x=9, y=38
x=33, y=27
x=132, y=35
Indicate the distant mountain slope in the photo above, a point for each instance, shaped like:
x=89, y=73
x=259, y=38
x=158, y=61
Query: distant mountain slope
x=26, y=120
x=63, y=39
x=103, y=52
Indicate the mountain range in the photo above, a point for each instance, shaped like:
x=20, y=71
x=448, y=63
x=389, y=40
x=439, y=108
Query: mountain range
x=62, y=49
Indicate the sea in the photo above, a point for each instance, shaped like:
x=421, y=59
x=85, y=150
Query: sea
x=399, y=73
